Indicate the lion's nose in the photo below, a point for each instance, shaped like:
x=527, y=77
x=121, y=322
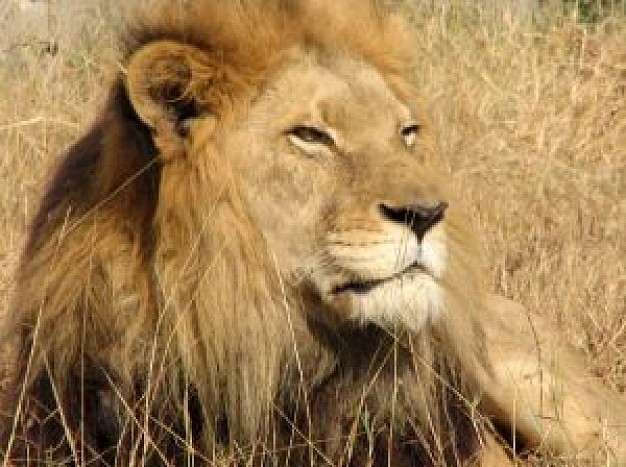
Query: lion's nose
x=420, y=217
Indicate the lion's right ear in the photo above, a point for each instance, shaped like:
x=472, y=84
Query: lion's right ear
x=170, y=83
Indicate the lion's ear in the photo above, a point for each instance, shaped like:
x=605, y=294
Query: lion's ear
x=168, y=83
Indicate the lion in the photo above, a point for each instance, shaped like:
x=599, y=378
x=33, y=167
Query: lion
x=254, y=257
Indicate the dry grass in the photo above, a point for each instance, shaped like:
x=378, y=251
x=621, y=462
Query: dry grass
x=53, y=62
x=532, y=119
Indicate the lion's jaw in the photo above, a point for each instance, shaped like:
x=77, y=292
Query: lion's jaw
x=387, y=277
x=319, y=202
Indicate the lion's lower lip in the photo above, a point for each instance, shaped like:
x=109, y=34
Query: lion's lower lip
x=364, y=287
x=359, y=288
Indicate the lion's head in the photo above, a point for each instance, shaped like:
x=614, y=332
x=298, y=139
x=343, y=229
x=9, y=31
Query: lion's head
x=338, y=179
x=257, y=233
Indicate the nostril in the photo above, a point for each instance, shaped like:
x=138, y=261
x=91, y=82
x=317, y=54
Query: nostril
x=420, y=217
x=398, y=215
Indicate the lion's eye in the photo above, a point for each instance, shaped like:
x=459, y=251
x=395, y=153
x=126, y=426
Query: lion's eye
x=409, y=133
x=311, y=135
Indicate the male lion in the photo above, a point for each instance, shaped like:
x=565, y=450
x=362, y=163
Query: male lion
x=252, y=258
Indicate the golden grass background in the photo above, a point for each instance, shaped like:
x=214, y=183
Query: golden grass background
x=530, y=107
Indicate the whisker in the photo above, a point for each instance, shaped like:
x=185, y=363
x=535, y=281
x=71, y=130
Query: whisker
x=361, y=244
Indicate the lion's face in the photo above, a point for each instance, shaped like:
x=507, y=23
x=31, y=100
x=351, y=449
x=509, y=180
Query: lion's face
x=337, y=171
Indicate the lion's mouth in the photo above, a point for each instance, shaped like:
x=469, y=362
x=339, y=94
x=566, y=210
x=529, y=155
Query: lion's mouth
x=364, y=287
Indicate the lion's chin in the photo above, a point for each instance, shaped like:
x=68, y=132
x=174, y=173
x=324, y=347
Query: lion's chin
x=411, y=299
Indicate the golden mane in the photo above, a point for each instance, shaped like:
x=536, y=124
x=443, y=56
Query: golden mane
x=246, y=39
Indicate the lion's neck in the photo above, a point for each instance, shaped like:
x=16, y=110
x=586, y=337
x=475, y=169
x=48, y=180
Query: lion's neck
x=367, y=389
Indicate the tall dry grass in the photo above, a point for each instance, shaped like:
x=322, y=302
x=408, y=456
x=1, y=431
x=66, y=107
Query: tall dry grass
x=531, y=112
x=54, y=60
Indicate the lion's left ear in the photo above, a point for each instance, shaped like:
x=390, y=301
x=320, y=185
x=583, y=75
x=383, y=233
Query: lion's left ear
x=168, y=84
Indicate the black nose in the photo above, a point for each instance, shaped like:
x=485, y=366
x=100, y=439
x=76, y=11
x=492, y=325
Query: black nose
x=420, y=217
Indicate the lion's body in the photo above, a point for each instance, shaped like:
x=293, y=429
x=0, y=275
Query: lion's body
x=247, y=258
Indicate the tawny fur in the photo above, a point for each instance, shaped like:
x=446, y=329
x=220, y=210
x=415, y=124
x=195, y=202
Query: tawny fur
x=152, y=319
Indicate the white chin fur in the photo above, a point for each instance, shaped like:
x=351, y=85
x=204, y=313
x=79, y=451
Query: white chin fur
x=411, y=300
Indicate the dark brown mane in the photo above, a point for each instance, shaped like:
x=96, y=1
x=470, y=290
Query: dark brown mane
x=130, y=182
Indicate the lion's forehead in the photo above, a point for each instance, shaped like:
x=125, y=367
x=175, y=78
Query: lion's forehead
x=343, y=92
